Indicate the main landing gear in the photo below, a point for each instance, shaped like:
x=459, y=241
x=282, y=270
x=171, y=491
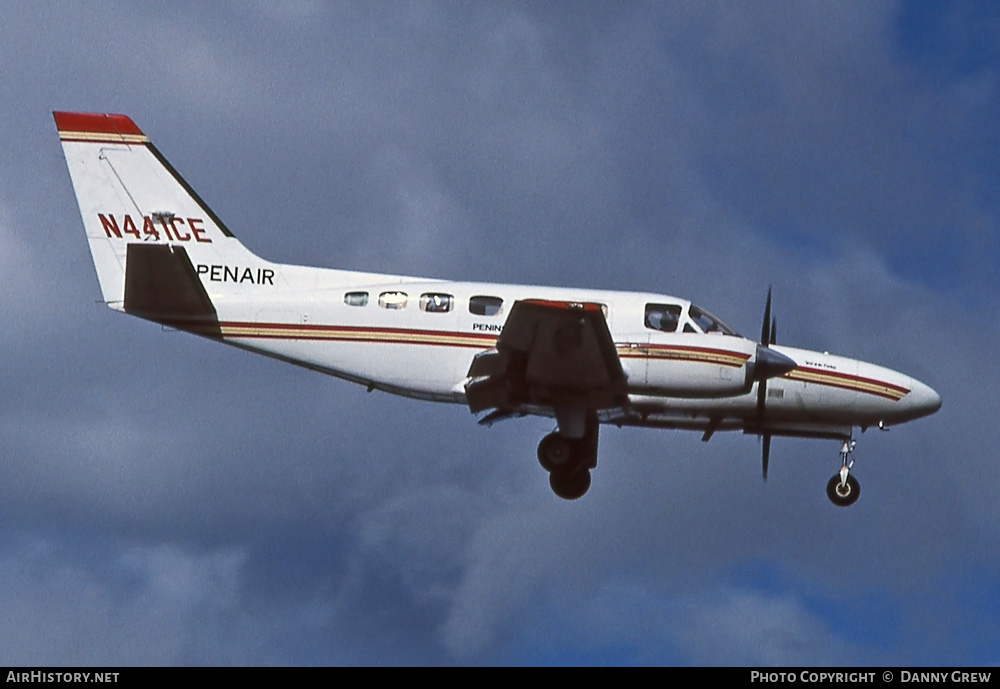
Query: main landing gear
x=569, y=461
x=843, y=489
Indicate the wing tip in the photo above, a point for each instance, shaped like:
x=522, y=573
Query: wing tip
x=564, y=305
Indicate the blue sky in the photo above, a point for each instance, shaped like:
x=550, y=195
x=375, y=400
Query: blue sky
x=169, y=501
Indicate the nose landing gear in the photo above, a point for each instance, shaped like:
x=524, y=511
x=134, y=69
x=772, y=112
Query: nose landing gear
x=843, y=489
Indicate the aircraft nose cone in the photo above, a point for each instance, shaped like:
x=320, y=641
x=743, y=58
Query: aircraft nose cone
x=922, y=400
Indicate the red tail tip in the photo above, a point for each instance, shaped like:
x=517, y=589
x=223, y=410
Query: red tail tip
x=95, y=123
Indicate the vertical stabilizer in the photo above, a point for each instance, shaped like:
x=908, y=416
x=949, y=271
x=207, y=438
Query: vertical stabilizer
x=130, y=195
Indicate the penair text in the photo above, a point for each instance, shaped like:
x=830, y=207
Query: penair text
x=237, y=274
x=487, y=327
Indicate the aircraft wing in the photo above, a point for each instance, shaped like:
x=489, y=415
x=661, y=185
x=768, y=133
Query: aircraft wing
x=550, y=354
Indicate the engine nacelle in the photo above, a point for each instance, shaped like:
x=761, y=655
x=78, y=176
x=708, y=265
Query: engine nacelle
x=691, y=365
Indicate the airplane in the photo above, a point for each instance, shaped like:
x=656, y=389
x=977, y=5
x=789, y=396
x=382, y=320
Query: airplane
x=581, y=357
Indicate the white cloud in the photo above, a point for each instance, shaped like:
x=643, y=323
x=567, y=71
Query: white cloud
x=148, y=605
x=739, y=627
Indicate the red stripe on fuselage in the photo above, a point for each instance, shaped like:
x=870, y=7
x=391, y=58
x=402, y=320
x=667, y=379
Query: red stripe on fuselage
x=851, y=382
x=710, y=350
x=350, y=333
x=859, y=379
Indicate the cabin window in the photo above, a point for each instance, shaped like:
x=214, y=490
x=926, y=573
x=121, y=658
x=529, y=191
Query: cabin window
x=663, y=317
x=434, y=302
x=485, y=306
x=356, y=298
x=392, y=300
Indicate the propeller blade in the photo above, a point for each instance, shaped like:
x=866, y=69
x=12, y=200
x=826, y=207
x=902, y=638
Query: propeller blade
x=761, y=396
x=768, y=363
x=765, y=454
x=765, y=334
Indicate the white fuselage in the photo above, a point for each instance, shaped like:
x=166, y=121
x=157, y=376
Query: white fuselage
x=389, y=333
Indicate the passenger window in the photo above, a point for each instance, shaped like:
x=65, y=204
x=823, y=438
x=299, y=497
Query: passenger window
x=485, y=306
x=392, y=300
x=663, y=317
x=356, y=298
x=433, y=302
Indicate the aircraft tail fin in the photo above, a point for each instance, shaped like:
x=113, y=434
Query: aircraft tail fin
x=138, y=210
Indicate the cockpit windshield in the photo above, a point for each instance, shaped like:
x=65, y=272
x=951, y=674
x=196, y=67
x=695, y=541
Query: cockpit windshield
x=709, y=323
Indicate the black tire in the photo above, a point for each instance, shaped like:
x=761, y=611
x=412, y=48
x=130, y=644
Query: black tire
x=556, y=453
x=843, y=495
x=570, y=485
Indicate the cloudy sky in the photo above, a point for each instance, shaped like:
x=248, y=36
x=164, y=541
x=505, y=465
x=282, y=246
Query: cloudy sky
x=166, y=500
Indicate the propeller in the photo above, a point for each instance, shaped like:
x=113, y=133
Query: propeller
x=768, y=364
x=765, y=332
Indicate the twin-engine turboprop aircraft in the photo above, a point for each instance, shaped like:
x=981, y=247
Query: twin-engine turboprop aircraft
x=582, y=357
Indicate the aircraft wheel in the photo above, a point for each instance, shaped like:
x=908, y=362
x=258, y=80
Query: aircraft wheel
x=555, y=452
x=843, y=495
x=570, y=485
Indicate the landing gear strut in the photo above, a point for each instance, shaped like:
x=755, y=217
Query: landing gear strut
x=843, y=489
x=569, y=462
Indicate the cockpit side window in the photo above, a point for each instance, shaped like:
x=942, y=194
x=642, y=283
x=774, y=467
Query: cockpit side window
x=709, y=323
x=663, y=317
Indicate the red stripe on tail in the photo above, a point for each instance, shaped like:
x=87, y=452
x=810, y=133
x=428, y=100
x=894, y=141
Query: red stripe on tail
x=95, y=123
